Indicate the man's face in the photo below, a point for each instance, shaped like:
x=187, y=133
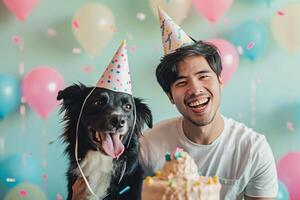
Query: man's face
x=196, y=92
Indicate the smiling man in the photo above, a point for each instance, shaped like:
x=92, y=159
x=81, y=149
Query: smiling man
x=189, y=74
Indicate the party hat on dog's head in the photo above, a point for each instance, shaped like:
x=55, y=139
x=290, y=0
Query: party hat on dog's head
x=116, y=76
x=173, y=37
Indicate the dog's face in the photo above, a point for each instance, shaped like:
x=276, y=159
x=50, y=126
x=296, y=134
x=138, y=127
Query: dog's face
x=107, y=117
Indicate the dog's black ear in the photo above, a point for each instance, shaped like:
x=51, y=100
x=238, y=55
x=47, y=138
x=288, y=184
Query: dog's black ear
x=70, y=93
x=143, y=114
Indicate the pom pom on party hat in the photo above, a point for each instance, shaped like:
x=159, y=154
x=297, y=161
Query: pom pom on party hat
x=173, y=37
x=116, y=76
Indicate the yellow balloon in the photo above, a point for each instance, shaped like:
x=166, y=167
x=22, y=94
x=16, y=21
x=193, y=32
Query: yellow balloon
x=26, y=191
x=286, y=28
x=176, y=9
x=93, y=26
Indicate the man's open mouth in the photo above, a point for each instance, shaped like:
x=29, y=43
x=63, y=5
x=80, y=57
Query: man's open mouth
x=108, y=142
x=198, y=104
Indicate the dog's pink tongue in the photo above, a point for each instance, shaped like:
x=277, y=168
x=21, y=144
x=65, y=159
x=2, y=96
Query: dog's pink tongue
x=112, y=145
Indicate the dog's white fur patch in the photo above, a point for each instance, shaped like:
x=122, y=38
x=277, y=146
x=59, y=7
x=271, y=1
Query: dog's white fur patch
x=98, y=169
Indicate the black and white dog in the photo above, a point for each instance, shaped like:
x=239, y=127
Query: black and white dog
x=107, y=140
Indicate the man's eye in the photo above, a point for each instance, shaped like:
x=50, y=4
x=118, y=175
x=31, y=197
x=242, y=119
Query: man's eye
x=182, y=83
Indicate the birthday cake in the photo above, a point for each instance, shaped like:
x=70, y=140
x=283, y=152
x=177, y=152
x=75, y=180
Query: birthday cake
x=179, y=180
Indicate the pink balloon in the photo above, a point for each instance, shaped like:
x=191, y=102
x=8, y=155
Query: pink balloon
x=212, y=10
x=20, y=8
x=40, y=87
x=288, y=168
x=229, y=58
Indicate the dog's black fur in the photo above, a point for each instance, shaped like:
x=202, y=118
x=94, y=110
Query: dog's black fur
x=97, y=110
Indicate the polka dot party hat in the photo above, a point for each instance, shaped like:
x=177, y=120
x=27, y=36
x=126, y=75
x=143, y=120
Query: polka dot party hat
x=116, y=76
x=173, y=37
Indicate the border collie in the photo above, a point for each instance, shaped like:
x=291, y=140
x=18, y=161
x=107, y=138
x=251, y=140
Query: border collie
x=106, y=126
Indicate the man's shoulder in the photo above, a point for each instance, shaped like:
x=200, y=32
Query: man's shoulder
x=165, y=126
x=243, y=134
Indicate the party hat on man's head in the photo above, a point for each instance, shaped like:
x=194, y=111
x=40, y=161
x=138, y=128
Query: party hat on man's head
x=173, y=37
x=116, y=76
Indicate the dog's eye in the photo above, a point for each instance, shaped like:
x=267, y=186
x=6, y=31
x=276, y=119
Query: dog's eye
x=128, y=106
x=98, y=103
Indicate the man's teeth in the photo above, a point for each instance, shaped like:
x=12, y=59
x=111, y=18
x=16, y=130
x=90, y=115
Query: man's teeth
x=198, y=102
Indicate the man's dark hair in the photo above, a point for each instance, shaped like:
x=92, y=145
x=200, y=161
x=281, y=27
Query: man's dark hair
x=167, y=72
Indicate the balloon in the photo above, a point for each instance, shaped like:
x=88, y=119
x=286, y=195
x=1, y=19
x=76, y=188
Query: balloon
x=20, y=8
x=229, y=58
x=93, y=27
x=283, y=193
x=285, y=27
x=40, y=87
x=26, y=191
x=17, y=168
x=176, y=9
x=288, y=172
x=10, y=94
x=212, y=10
x=252, y=37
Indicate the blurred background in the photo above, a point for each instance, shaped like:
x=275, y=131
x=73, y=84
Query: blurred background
x=48, y=45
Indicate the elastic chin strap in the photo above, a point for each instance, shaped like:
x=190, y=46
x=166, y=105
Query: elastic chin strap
x=76, y=143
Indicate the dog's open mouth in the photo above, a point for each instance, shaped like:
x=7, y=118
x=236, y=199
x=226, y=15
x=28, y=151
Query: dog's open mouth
x=109, y=143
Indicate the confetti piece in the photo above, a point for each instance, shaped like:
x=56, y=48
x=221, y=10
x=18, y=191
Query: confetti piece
x=23, y=193
x=132, y=49
x=87, y=69
x=113, y=29
x=140, y=16
x=75, y=24
x=170, y=183
x=51, y=32
x=280, y=13
x=129, y=35
x=45, y=177
x=59, y=197
x=250, y=45
x=124, y=190
x=17, y=40
x=10, y=180
x=290, y=126
x=76, y=50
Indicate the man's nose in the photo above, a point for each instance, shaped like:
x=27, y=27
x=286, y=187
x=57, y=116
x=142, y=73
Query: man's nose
x=194, y=88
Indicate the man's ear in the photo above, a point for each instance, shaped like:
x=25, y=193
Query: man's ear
x=221, y=82
x=171, y=98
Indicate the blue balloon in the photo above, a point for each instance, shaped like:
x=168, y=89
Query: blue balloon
x=10, y=94
x=283, y=193
x=252, y=37
x=16, y=169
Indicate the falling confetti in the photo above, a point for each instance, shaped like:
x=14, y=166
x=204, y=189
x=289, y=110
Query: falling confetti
x=113, y=29
x=10, y=180
x=129, y=35
x=87, y=69
x=75, y=24
x=124, y=190
x=45, y=177
x=141, y=16
x=17, y=40
x=23, y=193
x=250, y=45
x=280, y=13
x=77, y=50
x=132, y=49
x=59, y=197
x=290, y=126
x=240, y=50
x=51, y=32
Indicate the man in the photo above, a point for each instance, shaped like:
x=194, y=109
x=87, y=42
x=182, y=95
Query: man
x=189, y=74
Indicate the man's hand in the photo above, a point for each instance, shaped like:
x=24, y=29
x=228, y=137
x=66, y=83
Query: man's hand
x=79, y=190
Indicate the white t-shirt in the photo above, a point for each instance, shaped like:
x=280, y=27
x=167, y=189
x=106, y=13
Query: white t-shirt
x=241, y=158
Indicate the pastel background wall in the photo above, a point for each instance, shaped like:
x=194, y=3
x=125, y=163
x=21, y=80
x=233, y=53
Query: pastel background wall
x=263, y=91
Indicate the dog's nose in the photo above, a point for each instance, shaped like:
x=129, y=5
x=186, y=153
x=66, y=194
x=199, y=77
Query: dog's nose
x=117, y=121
